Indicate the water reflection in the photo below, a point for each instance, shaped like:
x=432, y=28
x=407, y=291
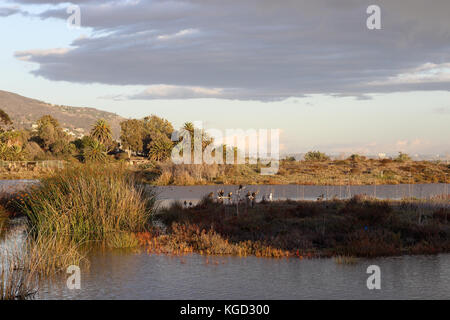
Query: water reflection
x=115, y=275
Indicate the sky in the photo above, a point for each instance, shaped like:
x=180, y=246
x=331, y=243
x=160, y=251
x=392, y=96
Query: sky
x=312, y=69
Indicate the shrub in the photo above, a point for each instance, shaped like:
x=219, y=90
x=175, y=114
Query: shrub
x=316, y=156
x=357, y=157
x=402, y=157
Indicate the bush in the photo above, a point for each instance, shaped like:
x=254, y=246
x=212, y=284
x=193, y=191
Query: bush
x=316, y=156
x=402, y=157
x=357, y=157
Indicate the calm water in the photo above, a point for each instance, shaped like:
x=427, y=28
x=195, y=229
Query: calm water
x=290, y=191
x=120, y=275
x=167, y=194
x=116, y=275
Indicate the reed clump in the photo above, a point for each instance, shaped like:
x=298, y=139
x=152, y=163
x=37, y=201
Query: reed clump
x=86, y=203
x=122, y=240
x=18, y=275
x=68, y=213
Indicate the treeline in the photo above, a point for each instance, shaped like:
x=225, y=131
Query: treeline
x=149, y=137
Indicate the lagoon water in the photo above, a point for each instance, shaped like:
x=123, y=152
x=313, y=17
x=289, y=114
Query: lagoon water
x=138, y=275
x=119, y=275
x=168, y=194
x=281, y=192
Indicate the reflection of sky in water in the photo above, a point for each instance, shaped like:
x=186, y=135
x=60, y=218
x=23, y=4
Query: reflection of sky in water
x=116, y=275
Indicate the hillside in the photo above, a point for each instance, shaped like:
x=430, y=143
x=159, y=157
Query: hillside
x=25, y=111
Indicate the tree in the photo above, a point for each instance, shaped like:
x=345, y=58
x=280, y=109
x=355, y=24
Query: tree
x=160, y=148
x=189, y=126
x=206, y=139
x=10, y=153
x=49, y=134
x=101, y=131
x=132, y=136
x=33, y=151
x=155, y=129
x=155, y=125
x=4, y=118
x=94, y=152
x=141, y=135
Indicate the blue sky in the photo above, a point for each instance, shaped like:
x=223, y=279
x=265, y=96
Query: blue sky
x=353, y=91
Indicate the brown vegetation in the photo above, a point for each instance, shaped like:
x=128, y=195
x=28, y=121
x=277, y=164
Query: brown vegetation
x=330, y=172
x=359, y=227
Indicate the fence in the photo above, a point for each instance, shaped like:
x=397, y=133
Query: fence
x=30, y=165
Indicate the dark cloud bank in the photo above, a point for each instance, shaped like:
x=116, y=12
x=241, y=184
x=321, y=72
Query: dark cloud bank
x=254, y=49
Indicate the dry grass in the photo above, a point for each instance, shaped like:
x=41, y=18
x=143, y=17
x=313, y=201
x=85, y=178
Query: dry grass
x=18, y=275
x=53, y=254
x=345, y=260
x=122, y=240
x=338, y=172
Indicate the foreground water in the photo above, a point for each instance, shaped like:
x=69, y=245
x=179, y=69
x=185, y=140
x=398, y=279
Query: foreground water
x=128, y=275
x=116, y=275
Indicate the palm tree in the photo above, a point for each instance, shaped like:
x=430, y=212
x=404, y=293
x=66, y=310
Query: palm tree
x=160, y=148
x=94, y=152
x=101, y=131
x=189, y=126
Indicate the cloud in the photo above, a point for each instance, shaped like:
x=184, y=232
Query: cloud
x=9, y=11
x=27, y=55
x=426, y=73
x=182, y=33
x=255, y=49
x=176, y=92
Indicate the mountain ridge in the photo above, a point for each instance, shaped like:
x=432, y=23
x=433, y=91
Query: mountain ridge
x=24, y=112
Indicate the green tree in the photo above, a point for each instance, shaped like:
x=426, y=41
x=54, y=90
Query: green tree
x=160, y=148
x=94, y=152
x=206, y=139
x=50, y=135
x=155, y=129
x=101, y=131
x=11, y=153
x=132, y=136
x=189, y=126
x=4, y=118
